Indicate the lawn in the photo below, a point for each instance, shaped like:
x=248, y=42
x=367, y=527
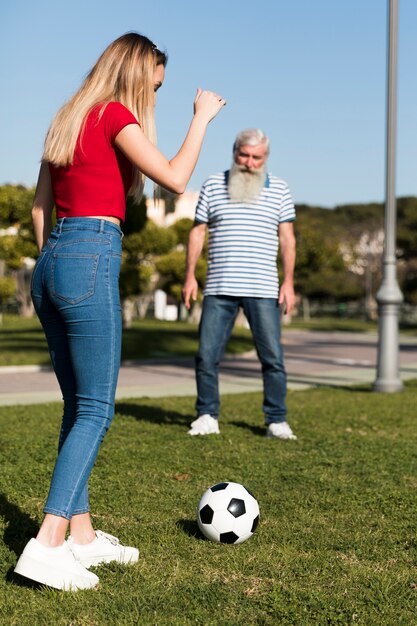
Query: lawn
x=336, y=543
x=22, y=341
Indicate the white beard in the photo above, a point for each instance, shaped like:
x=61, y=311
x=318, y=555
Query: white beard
x=245, y=185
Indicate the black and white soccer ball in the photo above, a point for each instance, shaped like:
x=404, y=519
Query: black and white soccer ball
x=228, y=513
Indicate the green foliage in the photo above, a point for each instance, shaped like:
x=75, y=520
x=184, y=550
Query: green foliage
x=409, y=281
x=407, y=228
x=336, y=543
x=14, y=248
x=151, y=240
x=135, y=279
x=7, y=288
x=156, y=240
x=182, y=229
x=320, y=270
x=139, y=252
x=15, y=205
x=171, y=267
x=15, y=210
x=353, y=219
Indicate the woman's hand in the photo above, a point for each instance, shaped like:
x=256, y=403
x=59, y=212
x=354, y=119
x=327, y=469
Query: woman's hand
x=175, y=173
x=207, y=104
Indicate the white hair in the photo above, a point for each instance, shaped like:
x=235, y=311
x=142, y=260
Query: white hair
x=250, y=137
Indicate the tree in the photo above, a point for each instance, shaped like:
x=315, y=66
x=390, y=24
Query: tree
x=407, y=228
x=7, y=291
x=18, y=250
x=182, y=228
x=15, y=206
x=138, y=272
x=320, y=269
x=407, y=247
x=171, y=266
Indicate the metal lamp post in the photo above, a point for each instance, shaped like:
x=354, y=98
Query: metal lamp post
x=389, y=296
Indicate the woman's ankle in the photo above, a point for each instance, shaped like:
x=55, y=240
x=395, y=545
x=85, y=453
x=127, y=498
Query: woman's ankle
x=81, y=529
x=52, y=531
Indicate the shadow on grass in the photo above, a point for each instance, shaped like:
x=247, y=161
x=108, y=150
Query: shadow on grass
x=152, y=414
x=21, y=581
x=190, y=528
x=258, y=431
x=20, y=527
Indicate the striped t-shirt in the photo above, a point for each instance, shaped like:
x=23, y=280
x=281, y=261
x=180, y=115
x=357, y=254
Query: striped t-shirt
x=243, y=238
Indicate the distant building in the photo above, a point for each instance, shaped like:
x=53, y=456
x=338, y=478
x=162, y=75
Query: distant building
x=184, y=207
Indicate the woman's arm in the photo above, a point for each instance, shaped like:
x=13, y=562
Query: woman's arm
x=43, y=204
x=172, y=174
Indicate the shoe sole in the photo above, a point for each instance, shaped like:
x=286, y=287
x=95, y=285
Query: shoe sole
x=34, y=570
x=271, y=436
x=196, y=433
x=102, y=560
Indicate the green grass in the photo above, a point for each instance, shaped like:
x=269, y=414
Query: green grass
x=334, y=324
x=336, y=544
x=22, y=341
x=150, y=338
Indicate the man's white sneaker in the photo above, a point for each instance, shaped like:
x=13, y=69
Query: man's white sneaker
x=280, y=430
x=103, y=549
x=55, y=567
x=204, y=425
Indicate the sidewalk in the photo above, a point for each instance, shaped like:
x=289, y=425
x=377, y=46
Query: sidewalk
x=312, y=359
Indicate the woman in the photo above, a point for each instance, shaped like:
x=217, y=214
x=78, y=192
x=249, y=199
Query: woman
x=99, y=146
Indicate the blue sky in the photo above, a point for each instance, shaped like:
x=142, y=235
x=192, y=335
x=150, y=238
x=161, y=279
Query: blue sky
x=310, y=73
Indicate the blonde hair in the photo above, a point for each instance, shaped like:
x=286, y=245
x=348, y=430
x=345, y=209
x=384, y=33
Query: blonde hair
x=123, y=73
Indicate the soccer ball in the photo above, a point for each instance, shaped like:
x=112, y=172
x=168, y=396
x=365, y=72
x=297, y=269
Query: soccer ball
x=227, y=513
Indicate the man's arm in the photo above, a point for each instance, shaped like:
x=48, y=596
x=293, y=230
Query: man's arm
x=195, y=246
x=287, y=246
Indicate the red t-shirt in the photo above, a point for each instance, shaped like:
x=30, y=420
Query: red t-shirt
x=100, y=176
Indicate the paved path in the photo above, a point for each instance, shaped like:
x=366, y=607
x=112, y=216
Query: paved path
x=312, y=358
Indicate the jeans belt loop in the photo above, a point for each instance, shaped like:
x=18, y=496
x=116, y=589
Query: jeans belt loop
x=101, y=227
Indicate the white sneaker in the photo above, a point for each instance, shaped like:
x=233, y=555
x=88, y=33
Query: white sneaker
x=280, y=430
x=103, y=549
x=204, y=425
x=55, y=567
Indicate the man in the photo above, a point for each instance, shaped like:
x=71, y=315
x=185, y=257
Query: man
x=248, y=213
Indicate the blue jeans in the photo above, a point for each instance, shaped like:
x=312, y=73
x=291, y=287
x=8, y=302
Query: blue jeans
x=75, y=291
x=217, y=320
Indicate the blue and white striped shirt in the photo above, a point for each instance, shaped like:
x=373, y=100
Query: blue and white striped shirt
x=243, y=238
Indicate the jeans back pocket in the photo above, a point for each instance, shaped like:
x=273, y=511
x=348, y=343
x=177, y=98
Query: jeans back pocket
x=74, y=276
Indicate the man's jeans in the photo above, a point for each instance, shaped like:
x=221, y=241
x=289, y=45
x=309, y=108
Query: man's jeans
x=75, y=290
x=219, y=314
